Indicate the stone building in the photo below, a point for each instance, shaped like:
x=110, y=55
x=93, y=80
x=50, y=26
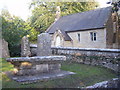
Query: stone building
x=91, y=29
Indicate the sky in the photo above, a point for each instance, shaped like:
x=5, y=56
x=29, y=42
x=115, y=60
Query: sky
x=17, y=7
x=21, y=7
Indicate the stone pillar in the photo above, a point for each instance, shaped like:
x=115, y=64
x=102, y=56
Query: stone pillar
x=44, y=49
x=5, y=50
x=44, y=45
x=25, y=47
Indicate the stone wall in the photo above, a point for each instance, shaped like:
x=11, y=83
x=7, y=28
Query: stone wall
x=33, y=49
x=85, y=39
x=104, y=57
x=114, y=83
x=54, y=37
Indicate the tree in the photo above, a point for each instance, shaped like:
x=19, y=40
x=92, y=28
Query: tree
x=115, y=8
x=43, y=14
x=115, y=4
x=13, y=29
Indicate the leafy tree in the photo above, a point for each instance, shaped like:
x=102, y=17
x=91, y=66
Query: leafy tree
x=115, y=4
x=13, y=29
x=43, y=14
x=115, y=8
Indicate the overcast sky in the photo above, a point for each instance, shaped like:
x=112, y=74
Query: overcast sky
x=20, y=7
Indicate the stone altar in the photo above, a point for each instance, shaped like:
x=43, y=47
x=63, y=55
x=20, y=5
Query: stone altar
x=43, y=66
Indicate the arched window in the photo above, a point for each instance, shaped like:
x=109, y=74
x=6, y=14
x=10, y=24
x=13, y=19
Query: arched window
x=58, y=41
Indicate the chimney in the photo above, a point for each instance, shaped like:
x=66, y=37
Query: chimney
x=57, y=13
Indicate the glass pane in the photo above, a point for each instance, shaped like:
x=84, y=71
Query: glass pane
x=91, y=34
x=79, y=37
x=58, y=41
x=94, y=36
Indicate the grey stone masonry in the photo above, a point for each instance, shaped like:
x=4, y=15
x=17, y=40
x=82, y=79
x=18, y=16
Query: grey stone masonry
x=32, y=69
x=41, y=59
x=82, y=51
x=5, y=50
x=38, y=64
x=25, y=47
x=106, y=84
x=44, y=45
x=39, y=77
x=87, y=51
x=109, y=58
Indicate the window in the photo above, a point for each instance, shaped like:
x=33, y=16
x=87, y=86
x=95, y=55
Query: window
x=58, y=41
x=114, y=37
x=79, y=37
x=93, y=36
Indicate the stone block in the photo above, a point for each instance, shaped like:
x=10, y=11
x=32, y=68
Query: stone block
x=44, y=45
x=25, y=47
x=26, y=72
x=80, y=60
x=54, y=67
x=42, y=68
x=93, y=62
x=25, y=65
x=5, y=50
x=86, y=62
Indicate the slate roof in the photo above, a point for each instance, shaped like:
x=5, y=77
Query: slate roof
x=65, y=35
x=92, y=19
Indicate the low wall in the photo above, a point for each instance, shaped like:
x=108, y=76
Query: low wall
x=113, y=53
x=109, y=58
x=114, y=83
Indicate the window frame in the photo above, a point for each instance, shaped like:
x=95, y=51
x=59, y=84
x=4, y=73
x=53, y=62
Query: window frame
x=93, y=36
x=78, y=36
x=114, y=37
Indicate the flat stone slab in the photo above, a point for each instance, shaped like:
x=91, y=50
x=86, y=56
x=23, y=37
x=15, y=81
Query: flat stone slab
x=38, y=58
x=39, y=77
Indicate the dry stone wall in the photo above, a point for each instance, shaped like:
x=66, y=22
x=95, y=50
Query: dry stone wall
x=109, y=58
x=114, y=83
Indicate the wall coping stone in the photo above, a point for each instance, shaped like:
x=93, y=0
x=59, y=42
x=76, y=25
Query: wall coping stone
x=38, y=58
x=33, y=45
x=105, y=84
x=82, y=49
x=88, y=49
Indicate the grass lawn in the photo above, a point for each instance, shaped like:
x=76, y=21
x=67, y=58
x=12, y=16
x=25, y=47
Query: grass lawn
x=85, y=75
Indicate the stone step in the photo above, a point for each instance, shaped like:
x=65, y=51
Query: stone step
x=39, y=77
